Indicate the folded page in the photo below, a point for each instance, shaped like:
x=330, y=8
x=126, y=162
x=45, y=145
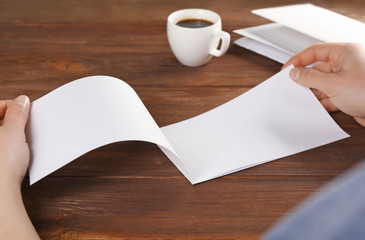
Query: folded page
x=263, y=49
x=276, y=35
x=83, y=115
x=275, y=119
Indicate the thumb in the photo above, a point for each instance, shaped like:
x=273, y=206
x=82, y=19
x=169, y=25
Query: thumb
x=313, y=78
x=16, y=115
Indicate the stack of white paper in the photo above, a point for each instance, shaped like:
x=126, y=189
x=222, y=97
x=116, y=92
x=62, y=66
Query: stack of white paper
x=297, y=27
x=273, y=120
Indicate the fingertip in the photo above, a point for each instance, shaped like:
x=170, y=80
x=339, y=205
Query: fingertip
x=294, y=60
x=17, y=112
x=288, y=63
x=23, y=101
x=295, y=73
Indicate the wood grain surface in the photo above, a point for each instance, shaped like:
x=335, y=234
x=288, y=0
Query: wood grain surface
x=130, y=190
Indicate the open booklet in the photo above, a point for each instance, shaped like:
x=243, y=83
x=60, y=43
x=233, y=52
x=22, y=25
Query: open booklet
x=297, y=27
x=275, y=119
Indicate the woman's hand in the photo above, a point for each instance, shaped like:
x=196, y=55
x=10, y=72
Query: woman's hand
x=14, y=151
x=338, y=80
x=14, y=161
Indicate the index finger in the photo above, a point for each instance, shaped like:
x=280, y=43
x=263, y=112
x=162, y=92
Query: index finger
x=320, y=52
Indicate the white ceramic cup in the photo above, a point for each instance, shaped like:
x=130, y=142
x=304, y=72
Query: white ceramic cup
x=194, y=47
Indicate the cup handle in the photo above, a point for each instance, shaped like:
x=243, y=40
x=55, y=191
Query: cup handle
x=225, y=38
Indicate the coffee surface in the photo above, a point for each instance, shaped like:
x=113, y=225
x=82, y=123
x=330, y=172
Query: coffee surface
x=194, y=23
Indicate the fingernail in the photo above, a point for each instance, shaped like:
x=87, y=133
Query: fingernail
x=22, y=100
x=295, y=73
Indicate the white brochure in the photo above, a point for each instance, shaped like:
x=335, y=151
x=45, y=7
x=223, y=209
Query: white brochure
x=297, y=27
x=275, y=119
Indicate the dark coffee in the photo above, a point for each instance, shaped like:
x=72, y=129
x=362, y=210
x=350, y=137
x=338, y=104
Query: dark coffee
x=194, y=23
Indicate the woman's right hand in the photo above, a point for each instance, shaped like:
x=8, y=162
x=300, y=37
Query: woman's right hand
x=338, y=80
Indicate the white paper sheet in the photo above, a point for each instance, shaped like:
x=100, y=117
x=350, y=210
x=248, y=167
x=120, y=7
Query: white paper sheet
x=275, y=119
x=279, y=36
x=317, y=22
x=264, y=49
x=83, y=115
x=298, y=27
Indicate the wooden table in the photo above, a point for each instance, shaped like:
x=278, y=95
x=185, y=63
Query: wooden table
x=130, y=190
